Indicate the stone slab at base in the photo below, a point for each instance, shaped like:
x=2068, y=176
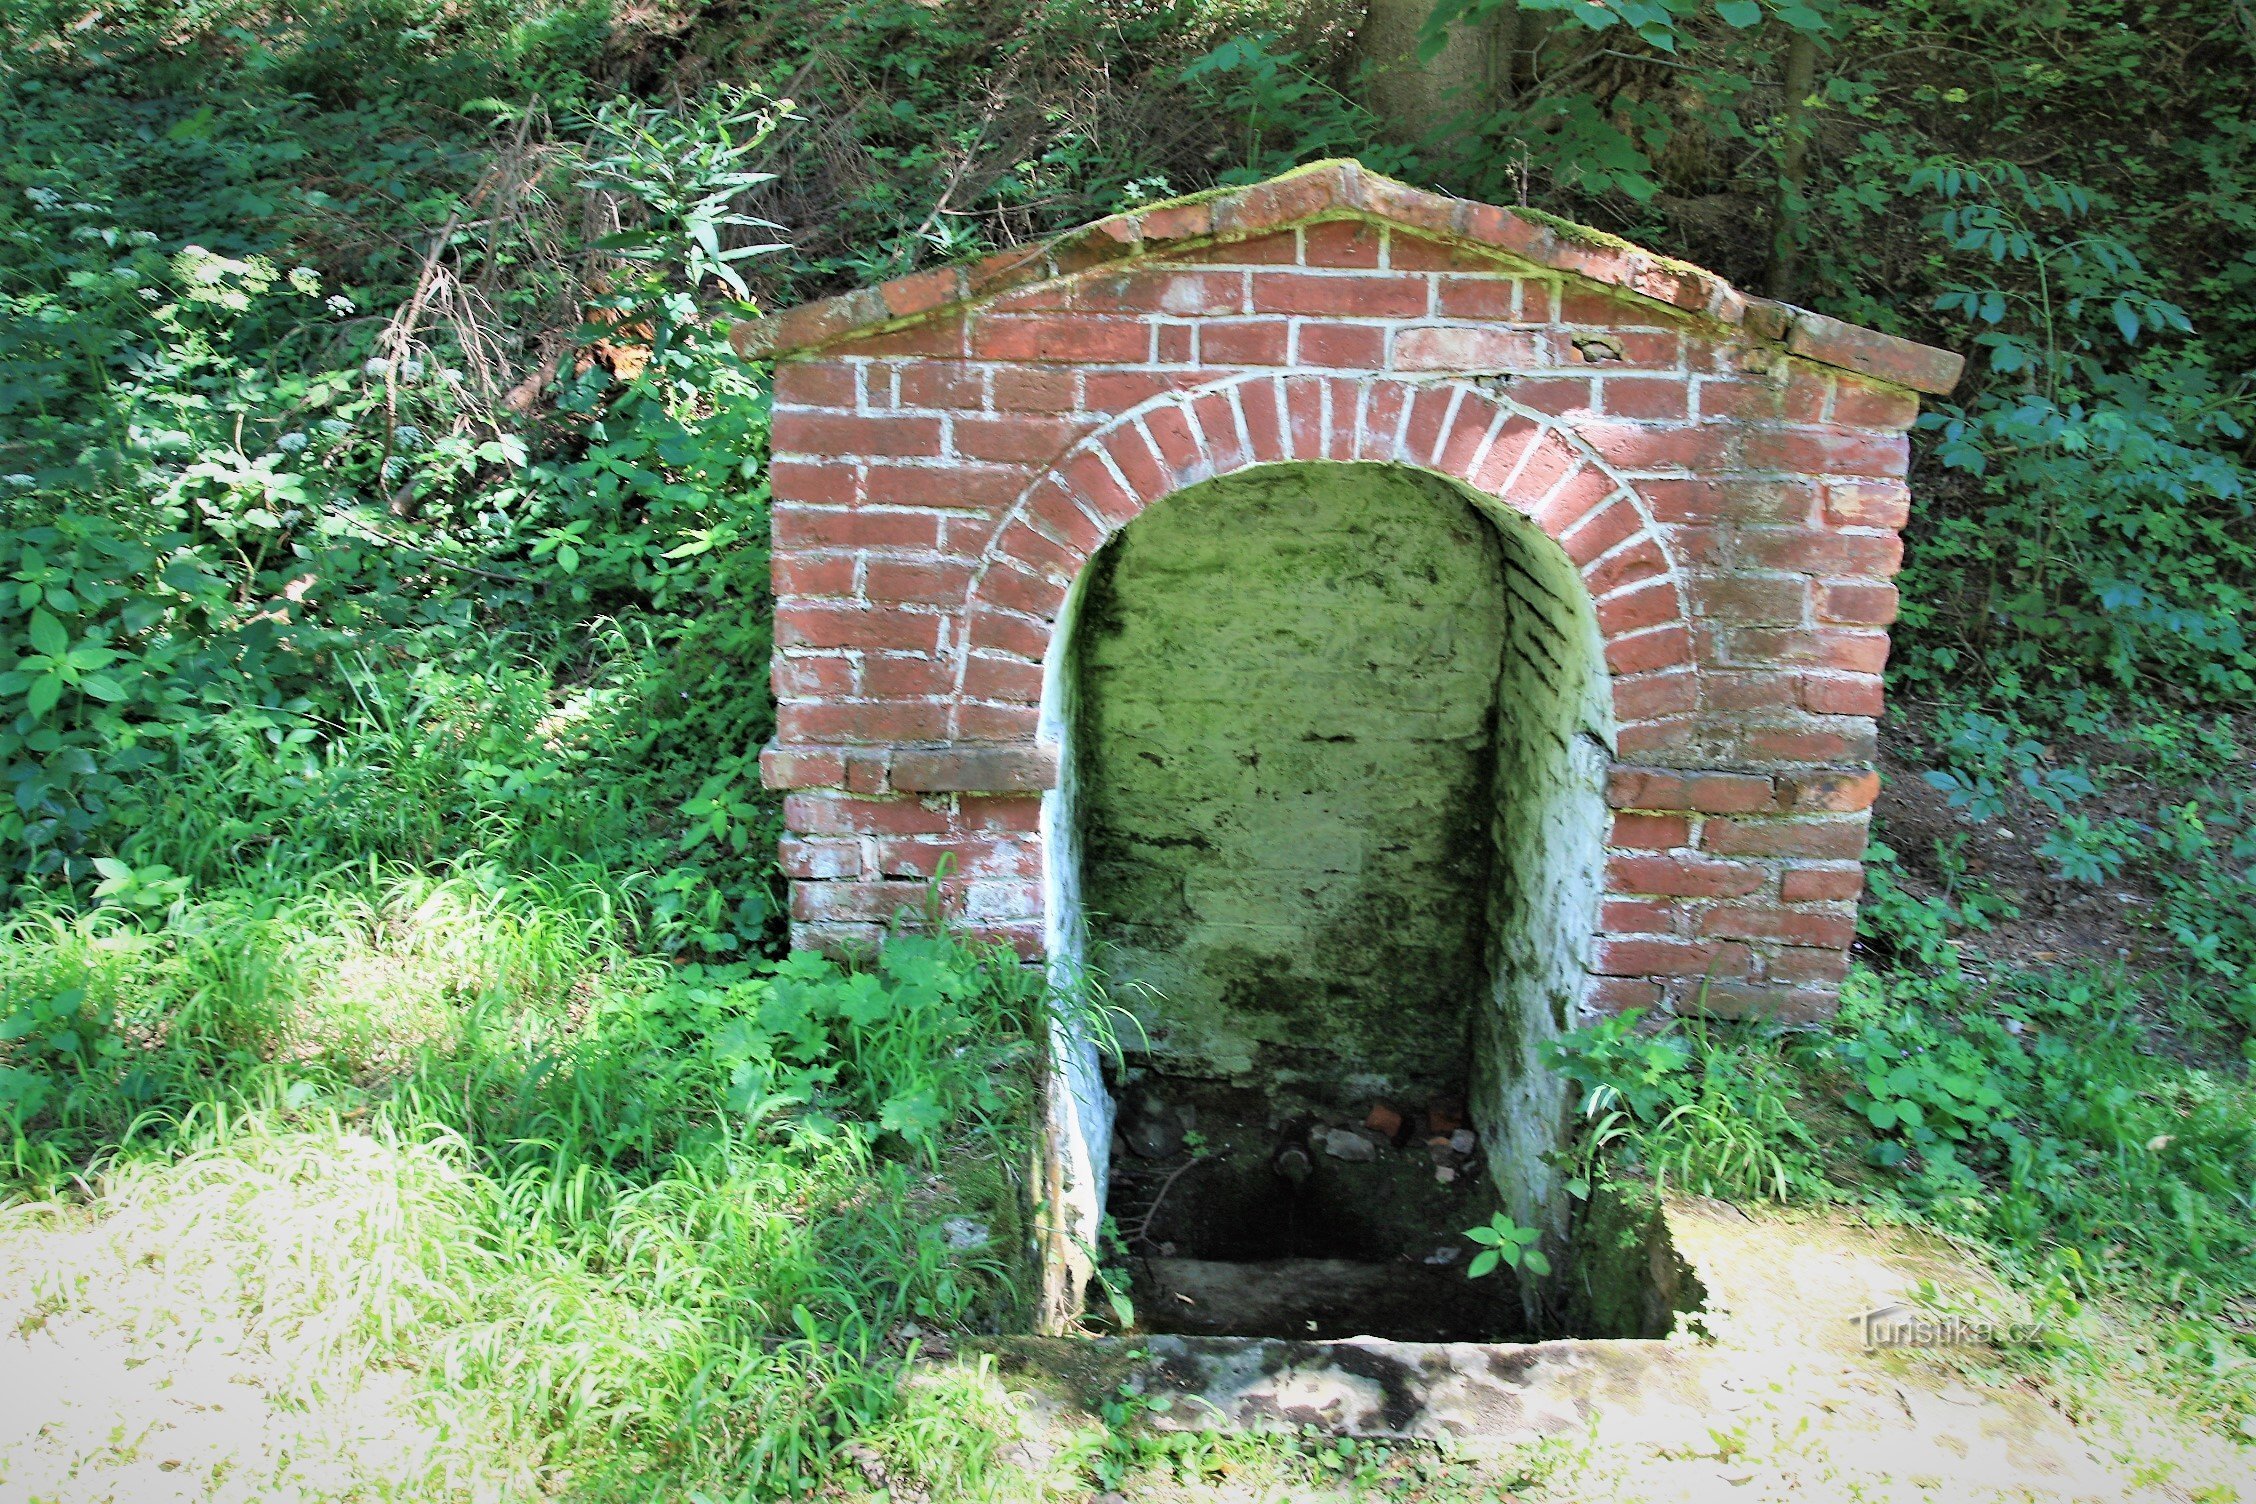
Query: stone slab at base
x=1476, y=1395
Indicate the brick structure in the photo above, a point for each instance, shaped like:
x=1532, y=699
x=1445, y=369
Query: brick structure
x=1727, y=473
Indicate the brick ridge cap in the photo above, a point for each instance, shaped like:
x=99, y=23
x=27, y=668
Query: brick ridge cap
x=1344, y=189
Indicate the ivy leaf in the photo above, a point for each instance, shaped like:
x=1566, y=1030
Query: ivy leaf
x=1739, y=13
x=1483, y=1263
x=1534, y=1261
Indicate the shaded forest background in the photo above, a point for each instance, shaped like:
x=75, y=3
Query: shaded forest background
x=362, y=373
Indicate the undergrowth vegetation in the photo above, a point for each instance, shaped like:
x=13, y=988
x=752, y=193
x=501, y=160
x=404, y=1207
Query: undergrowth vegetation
x=650, y=1229
x=2090, y=1129
x=390, y=926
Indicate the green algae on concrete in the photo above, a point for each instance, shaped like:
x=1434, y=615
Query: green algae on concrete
x=1287, y=685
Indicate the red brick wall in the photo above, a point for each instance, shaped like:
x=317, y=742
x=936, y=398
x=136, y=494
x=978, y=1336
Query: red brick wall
x=1733, y=509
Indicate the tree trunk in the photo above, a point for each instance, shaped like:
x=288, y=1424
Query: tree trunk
x=1411, y=97
x=1784, y=278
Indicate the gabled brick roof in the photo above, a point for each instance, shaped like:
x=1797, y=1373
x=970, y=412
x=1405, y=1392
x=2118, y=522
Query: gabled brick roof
x=1346, y=190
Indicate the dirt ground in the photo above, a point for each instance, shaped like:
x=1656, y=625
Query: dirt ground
x=129, y=1376
x=1797, y=1406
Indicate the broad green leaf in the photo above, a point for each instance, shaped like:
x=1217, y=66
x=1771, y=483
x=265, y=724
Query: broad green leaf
x=48, y=635
x=45, y=691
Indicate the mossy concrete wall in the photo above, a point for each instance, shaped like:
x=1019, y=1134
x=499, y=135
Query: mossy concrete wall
x=1287, y=684
x=1549, y=831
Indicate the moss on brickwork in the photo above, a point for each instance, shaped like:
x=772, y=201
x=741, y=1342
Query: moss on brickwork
x=1288, y=686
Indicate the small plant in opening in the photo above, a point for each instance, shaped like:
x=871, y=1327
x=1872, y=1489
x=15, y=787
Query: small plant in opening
x=1505, y=1242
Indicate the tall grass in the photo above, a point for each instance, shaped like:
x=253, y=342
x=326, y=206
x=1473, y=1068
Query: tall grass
x=659, y=1229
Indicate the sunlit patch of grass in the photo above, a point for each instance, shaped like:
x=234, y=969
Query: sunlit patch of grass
x=454, y=1127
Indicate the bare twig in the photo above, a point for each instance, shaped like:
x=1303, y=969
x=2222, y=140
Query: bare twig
x=1143, y=1227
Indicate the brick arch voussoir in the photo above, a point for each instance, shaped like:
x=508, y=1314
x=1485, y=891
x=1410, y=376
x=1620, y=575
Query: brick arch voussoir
x=1528, y=461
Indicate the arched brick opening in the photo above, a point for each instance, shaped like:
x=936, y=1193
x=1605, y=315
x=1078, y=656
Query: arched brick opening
x=1725, y=474
x=1575, y=532
x=1399, y=899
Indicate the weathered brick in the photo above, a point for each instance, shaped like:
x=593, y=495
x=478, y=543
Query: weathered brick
x=813, y=574
x=819, y=857
x=1412, y=253
x=1477, y=297
x=1380, y=295
x=867, y=722
x=1162, y=289
x=1020, y=439
x=1646, y=832
x=932, y=383
x=812, y=676
x=1706, y=793
x=1643, y=956
x=987, y=677
x=1655, y=397
x=784, y=767
x=895, y=676
x=1784, y=836
x=981, y=768
x=1342, y=243
x=1843, y=694
x=891, y=435
x=1860, y=604
x=1792, y=926
x=960, y=486
x=1806, y=964
x=1616, y=995
x=1842, y=792
x=838, y=527
x=817, y=383
x=1682, y=876
x=1819, y=884
x=1817, y=551
x=1035, y=389
x=815, y=485
x=1559, y=396
x=1641, y=652
x=1245, y=342
x=1060, y=338
x=928, y=582
x=1751, y=1002
x=826, y=624
x=1872, y=503
x=1467, y=347
x=1339, y=347
x=1641, y=916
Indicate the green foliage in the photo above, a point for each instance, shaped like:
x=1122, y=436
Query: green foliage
x=1697, y=1109
x=640, y=1259
x=285, y=528
x=1619, y=1064
x=2204, y=862
x=1504, y=1244
x=1290, y=114
x=1986, y=758
x=2086, y=524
